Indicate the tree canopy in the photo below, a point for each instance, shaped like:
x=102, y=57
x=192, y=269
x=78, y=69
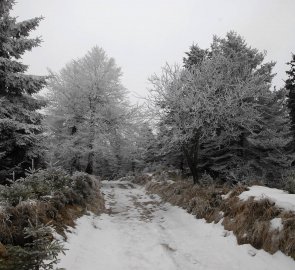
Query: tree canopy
x=20, y=121
x=215, y=108
x=90, y=114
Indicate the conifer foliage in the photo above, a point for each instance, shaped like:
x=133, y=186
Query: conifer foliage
x=20, y=121
x=290, y=87
x=220, y=112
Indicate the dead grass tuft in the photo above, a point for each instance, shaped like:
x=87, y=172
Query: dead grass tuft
x=142, y=179
x=249, y=220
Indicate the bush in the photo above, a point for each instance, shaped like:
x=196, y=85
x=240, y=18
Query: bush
x=43, y=195
x=206, y=179
x=48, y=184
x=14, y=194
x=83, y=184
x=289, y=181
x=40, y=253
x=35, y=186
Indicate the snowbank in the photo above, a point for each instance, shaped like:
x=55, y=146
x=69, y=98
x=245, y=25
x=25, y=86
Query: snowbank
x=281, y=198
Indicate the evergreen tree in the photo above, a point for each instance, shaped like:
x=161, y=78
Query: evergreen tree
x=265, y=147
x=20, y=122
x=220, y=112
x=145, y=150
x=195, y=56
x=290, y=87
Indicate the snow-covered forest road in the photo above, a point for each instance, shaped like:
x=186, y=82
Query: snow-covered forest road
x=141, y=232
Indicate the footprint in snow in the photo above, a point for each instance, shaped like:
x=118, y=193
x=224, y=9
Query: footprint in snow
x=168, y=247
x=252, y=252
x=226, y=234
x=190, y=258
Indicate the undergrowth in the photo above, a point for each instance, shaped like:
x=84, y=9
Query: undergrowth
x=249, y=220
x=33, y=208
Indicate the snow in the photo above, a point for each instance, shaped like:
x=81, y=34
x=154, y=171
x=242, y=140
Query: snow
x=2, y=209
x=226, y=196
x=281, y=198
x=169, y=181
x=141, y=232
x=28, y=202
x=276, y=224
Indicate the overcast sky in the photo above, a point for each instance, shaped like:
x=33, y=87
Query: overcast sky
x=142, y=35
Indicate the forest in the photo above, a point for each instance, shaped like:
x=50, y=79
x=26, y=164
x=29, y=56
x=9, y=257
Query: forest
x=215, y=120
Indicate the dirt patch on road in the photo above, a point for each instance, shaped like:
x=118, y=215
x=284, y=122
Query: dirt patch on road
x=145, y=208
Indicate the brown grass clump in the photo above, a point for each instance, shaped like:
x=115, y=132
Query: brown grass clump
x=287, y=235
x=201, y=201
x=249, y=220
x=142, y=179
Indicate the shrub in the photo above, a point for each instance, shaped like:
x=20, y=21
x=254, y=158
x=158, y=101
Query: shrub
x=50, y=184
x=40, y=253
x=83, y=184
x=289, y=181
x=43, y=195
x=206, y=179
x=15, y=193
x=35, y=185
x=45, y=182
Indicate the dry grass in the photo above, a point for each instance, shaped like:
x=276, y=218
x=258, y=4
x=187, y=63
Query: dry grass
x=203, y=202
x=14, y=219
x=249, y=220
x=141, y=179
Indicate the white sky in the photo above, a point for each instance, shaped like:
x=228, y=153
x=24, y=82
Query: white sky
x=142, y=35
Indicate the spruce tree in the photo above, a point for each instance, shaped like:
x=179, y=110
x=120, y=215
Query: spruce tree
x=220, y=111
x=20, y=121
x=290, y=87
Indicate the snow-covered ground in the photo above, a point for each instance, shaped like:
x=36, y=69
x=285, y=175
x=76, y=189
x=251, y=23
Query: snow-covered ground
x=281, y=198
x=142, y=233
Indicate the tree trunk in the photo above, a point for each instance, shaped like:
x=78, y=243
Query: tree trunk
x=193, y=167
x=90, y=162
x=191, y=154
x=89, y=168
x=181, y=165
x=75, y=164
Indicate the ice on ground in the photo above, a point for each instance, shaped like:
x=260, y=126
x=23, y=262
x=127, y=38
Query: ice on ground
x=281, y=198
x=143, y=233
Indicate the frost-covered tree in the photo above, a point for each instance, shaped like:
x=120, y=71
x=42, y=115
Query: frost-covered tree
x=262, y=152
x=88, y=113
x=145, y=151
x=290, y=87
x=20, y=121
x=195, y=56
x=265, y=152
x=213, y=106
